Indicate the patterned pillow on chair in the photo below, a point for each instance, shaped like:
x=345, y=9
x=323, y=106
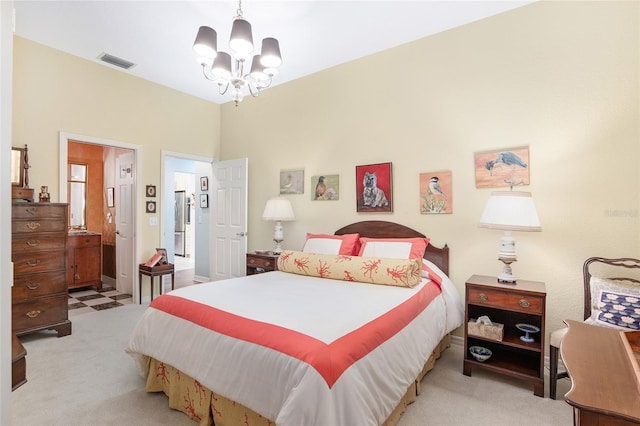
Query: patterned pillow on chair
x=615, y=304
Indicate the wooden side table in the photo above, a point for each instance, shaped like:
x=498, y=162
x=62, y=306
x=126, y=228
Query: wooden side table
x=152, y=272
x=261, y=262
x=509, y=304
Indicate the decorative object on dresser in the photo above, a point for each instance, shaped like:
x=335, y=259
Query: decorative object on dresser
x=38, y=252
x=84, y=260
x=44, y=196
x=278, y=209
x=600, y=296
x=509, y=211
x=261, y=262
x=508, y=305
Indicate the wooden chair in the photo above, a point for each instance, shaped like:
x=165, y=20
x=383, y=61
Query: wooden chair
x=556, y=337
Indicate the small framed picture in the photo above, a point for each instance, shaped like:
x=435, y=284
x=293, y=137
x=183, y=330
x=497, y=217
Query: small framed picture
x=292, y=181
x=151, y=190
x=163, y=253
x=151, y=206
x=204, y=201
x=110, y=196
x=204, y=183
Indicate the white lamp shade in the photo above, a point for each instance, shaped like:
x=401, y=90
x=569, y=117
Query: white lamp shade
x=206, y=43
x=257, y=70
x=222, y=66
x=241, y=38
x=270, y=55
x=510, y=211
x=278, y=209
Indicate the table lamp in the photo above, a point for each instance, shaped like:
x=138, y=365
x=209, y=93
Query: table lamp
x=509, y=211
x=278, y=209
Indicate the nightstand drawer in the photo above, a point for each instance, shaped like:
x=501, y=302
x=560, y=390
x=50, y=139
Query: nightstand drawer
x=524, y=303
x=259, y=262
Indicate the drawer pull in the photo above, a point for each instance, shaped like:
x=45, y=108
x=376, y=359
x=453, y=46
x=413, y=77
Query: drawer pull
x=33, y=286
x=33, y=225
x=33, y=262
x=33, y=314
x=483, y=297
x=31, y=210
x=252, y=261
x=33, y=243
x=267, y=263
x=524, y=303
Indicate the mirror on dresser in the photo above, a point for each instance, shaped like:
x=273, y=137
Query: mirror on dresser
x=77, y=190
x=20, y=190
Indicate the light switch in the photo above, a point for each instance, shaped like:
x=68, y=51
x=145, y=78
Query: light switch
x=153, y=221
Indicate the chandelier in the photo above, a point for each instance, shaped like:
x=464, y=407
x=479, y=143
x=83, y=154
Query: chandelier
x=228, y=70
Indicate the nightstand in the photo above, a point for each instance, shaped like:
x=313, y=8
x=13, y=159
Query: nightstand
x=521, y=303
x=261, y=262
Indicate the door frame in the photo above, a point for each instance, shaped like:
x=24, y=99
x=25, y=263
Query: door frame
x=64, y=137
x=167, y=203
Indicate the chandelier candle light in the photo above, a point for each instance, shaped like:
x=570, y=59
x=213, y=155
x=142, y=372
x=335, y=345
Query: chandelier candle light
x=278, y=209
x=217, y=65
x=509, y=211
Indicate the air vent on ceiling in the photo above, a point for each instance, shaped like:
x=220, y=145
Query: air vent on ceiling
x=114, y=60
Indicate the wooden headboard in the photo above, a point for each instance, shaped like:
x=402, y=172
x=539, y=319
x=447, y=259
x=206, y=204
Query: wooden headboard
x=383, y=229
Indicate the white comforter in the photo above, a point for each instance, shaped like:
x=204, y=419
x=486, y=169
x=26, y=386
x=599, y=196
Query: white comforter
x=277, y=377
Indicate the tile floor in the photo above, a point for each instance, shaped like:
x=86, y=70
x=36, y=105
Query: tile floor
x=90, y=300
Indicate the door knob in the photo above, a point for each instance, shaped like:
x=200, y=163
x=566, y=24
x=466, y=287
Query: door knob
x=241, y=234
x=117, y=232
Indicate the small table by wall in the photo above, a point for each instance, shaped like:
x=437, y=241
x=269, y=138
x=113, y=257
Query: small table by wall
x=152, y=272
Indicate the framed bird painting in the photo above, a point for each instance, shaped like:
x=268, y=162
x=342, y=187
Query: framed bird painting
x=325, y=187
x=504, y=167
x=436, y=193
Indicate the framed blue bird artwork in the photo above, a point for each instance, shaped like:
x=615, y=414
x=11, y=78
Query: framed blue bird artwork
x=504, y=167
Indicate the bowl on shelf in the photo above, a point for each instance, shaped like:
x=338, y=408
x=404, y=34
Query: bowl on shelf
x=480, y=353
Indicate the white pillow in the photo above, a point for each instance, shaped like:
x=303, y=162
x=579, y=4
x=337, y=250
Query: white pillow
x=322, y=246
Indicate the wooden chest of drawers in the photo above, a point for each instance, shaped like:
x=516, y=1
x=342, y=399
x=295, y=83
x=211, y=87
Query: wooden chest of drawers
x=38, y=252
x=84, y=260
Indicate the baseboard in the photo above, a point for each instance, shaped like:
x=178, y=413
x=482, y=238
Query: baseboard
x=457, y=340
x=201, y=279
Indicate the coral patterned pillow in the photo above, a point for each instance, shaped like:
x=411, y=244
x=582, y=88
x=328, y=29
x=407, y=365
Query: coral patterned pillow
x=375, y=270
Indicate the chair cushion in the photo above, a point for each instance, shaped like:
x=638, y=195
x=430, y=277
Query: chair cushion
x=556, y=337
x=615, y=304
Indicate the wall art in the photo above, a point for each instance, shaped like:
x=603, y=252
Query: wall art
x=292, y=181
x=504, y=167
x=325, y=187
x=436, y=192
x=373, y=188
x=204, y=183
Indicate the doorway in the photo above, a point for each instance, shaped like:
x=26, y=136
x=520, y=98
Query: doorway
x=119, y=162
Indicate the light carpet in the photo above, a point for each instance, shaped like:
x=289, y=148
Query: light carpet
x=87, y=379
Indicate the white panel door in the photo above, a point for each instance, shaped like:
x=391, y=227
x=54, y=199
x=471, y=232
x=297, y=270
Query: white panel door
x=229, y=221
x=124, y=224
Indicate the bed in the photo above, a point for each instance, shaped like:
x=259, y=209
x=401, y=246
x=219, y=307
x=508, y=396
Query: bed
x=292, y=348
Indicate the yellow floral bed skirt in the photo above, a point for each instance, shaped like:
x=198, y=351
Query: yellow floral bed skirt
x=205, y=407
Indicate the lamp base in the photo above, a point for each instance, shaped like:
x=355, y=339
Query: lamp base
x=278, y=248
x=506, y=276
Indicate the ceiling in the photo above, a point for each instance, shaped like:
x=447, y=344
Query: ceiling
x=314, y=35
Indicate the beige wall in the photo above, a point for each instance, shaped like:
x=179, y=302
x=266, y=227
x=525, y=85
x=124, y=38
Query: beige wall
x=560, y=77
x=55, y=92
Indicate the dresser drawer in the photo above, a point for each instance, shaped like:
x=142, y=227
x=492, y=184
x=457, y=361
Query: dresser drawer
x=37, y=225
x=34, y=285
x=39, y=312
x=39, y=211
x=30, y=243
x=82, y=241
x=525, y=303
x=29, y=263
